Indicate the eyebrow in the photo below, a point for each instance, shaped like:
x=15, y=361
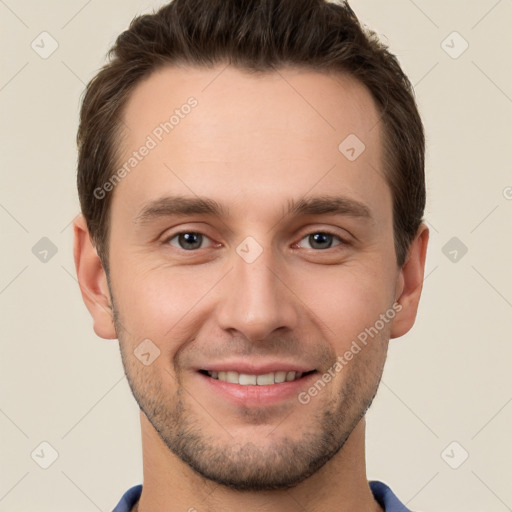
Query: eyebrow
x=179, y=205
x=334, y=205
x=183, y=205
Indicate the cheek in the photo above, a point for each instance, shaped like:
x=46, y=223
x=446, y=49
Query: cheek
x=154, y=301
x=346, y=299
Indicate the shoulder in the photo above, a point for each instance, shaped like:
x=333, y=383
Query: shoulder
x=386, y=498
x=129, y=498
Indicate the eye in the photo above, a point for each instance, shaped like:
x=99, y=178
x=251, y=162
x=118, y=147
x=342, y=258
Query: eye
x=321, y=240
x=187, y=240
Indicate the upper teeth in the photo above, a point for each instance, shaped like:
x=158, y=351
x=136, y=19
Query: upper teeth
x=246, y=380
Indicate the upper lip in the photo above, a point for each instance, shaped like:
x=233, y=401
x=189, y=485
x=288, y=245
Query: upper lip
x=251, y=368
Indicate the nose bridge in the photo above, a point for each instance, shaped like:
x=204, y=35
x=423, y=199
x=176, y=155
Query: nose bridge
x=255, y=301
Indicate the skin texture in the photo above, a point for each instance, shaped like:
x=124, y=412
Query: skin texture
x=253, y=143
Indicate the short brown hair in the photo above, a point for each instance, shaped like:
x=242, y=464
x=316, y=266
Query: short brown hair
x=254, y=35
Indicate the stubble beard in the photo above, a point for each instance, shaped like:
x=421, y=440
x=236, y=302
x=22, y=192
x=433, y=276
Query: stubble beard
x=281, y=463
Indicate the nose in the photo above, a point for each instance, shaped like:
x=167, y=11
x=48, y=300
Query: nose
x=256, y=299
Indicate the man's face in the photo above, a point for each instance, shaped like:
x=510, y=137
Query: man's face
x=296, y=294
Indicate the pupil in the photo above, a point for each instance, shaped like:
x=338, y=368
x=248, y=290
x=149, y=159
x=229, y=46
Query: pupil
x=321, y=238
x=191, y=240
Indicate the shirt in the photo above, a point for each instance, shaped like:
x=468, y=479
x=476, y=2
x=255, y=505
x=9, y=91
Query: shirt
x=381, y=492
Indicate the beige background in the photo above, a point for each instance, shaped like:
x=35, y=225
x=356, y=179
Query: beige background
x=448, y=380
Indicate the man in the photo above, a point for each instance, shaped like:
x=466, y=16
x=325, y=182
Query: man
x=251, y=176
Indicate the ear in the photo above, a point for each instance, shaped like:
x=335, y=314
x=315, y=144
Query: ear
x=92, y=280
x=410, y=283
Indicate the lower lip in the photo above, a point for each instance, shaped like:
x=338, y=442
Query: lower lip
x=254, y=395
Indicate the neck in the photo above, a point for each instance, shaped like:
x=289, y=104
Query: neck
x=171, y=485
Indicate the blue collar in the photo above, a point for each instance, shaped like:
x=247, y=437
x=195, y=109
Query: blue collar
x=381, y=492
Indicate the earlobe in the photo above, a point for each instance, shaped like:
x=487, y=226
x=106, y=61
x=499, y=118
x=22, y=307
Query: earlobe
x=92, y=281
x=410, y=283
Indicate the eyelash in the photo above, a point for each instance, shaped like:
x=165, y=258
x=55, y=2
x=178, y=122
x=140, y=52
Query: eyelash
x=342, y=241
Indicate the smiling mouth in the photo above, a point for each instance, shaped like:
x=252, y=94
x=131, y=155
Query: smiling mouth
x=266, y=379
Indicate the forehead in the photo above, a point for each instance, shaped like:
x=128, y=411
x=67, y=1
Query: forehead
x=213, y=131
x=262, y=103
